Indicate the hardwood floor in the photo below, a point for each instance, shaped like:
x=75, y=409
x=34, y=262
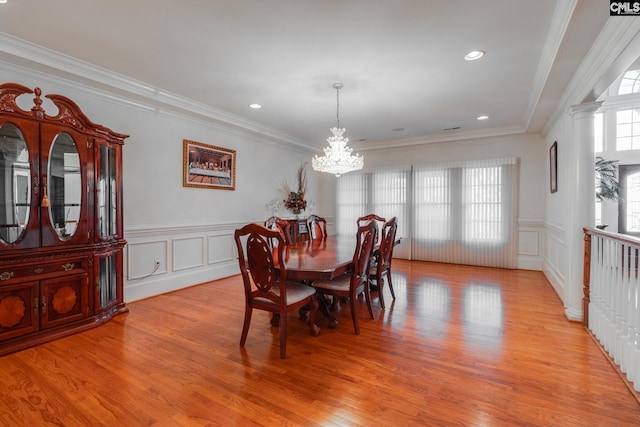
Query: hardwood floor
x=460, y=345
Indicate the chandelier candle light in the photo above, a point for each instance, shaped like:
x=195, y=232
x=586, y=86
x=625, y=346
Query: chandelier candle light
x=337, y=157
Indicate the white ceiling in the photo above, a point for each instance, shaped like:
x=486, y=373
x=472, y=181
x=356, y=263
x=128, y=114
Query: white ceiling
x=401, y=61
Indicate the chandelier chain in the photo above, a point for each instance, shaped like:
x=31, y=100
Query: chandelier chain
x=338, y=106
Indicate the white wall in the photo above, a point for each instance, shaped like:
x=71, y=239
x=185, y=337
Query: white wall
x=556, y=211
x=531, y=151
x=189, y=230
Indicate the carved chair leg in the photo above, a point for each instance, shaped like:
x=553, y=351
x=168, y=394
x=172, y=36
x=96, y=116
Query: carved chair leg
x=283, y=334
x=390, y=283
x=245, y=327
x=367, y=298
x=380, y=282
x=354, y=316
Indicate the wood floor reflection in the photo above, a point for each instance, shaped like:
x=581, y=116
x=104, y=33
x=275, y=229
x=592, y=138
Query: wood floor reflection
x=460, y=345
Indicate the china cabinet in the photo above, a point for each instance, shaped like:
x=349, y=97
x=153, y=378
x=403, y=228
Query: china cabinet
x=61, y=229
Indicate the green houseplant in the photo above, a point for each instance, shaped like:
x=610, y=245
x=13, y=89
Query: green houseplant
x=607, y=184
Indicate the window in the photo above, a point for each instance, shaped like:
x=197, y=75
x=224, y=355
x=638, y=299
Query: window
x=432, y=203
x=630, y=83
x=482, y=200
x=390, y=196
x=383, y=192
x=628, y=129
x=462, y=213
x=351, y=202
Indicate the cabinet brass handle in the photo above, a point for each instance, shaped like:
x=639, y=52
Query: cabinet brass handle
x=38, y=270
x=36, y=306
x=68, y=266
x=43, y=300
x=6, y=275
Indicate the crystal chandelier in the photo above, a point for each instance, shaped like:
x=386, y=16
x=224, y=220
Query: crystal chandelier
x=337, y=157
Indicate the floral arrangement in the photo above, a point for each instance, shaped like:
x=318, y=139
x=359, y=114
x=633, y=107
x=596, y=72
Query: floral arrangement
x=295, y=201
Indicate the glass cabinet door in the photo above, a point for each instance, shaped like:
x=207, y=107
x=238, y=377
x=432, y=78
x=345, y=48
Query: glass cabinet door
x=107, y=192
x=64, y=179
x=19, y=188
x=64, y=183
x=107, y=280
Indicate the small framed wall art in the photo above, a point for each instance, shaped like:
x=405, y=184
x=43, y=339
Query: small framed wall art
x=553, y=167
x=208, y=166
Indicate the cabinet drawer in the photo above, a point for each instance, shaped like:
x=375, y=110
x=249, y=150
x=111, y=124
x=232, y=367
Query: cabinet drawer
x=9, y=274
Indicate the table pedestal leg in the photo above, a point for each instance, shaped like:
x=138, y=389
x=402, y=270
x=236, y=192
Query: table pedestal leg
x=324, y=308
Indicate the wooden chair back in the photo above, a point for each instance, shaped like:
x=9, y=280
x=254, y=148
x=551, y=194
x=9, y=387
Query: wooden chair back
x=257, y=263
x=382, y=263
x=387, y=242
x=316, y=227
x=366, y=238
x=378, y=221
x=276, y=223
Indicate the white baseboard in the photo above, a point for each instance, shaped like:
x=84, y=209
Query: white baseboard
x=161, y=284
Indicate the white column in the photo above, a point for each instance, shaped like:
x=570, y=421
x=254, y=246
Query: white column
x=580, y=191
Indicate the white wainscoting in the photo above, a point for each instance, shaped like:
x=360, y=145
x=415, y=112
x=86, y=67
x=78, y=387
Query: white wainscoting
x=531, y=247
x=554, y=260
x=188, y=255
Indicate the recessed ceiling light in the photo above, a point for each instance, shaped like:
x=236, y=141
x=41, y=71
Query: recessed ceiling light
x=254, y=106
x=3, y=1
x=397, y=129
x=474, y=54
x=483, y=117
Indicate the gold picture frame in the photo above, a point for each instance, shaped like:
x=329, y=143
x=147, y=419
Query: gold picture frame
x=208, y=166
x=553, y=167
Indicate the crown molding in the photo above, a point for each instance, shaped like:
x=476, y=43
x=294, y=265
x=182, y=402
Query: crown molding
x=442, y=137
x=561, y=18
x=130, y=91
x=616, y=36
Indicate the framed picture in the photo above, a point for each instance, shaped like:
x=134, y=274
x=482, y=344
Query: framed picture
x=553, y=167
x=208, y=166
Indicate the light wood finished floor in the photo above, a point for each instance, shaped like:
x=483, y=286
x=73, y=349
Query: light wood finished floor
x=459, y=346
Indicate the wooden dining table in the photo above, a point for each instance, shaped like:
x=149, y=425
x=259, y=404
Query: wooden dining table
x=320, y=259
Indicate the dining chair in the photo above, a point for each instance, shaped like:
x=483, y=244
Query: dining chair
x=378, y=221
x=276, y=223
x=385, y=253
x=356, y=282
x=316, y=227
x=265, y=282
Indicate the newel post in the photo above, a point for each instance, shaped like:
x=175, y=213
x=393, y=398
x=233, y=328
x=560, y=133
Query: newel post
x=586, y=278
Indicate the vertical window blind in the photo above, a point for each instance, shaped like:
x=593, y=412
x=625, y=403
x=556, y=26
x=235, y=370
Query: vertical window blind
x=463, y=213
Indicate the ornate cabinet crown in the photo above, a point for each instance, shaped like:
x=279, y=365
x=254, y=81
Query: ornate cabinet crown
x=61, y=229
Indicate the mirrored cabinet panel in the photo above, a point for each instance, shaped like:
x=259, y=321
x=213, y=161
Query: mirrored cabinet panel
x=61, y=230
x=15, y=183
x=64, y=184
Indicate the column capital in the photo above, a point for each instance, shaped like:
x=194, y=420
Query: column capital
x=585, y=108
